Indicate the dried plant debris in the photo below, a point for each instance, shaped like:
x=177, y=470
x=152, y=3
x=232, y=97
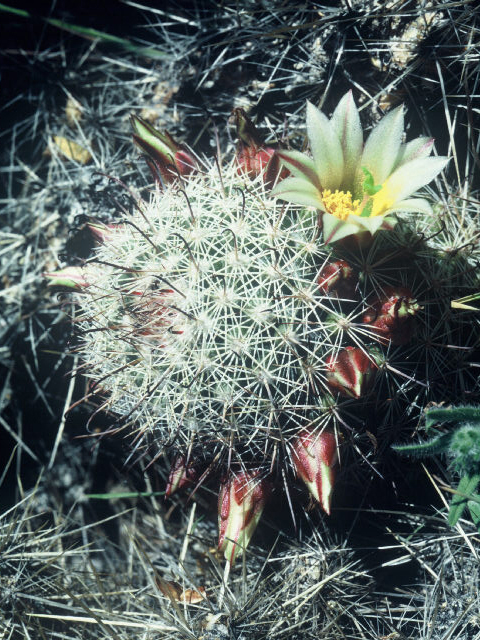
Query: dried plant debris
x=60, y=578
x=444, y=601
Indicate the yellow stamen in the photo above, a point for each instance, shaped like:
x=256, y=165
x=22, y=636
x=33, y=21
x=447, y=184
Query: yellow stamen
x=340, y=204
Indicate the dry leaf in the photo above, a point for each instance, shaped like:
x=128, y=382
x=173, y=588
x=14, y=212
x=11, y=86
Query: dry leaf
x=174, y=591
x=73, y=111
x=72, y=150
x=192, y=596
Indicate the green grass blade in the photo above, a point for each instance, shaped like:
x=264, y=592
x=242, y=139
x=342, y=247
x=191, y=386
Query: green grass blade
x=120, y=495
x=91, y=34
x=474, y=508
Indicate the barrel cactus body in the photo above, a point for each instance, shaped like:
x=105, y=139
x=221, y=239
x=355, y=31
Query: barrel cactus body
x=244, y=329
x=203, y=319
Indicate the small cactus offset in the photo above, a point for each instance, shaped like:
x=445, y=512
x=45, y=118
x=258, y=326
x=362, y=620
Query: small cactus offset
x=461, y=445
x=253, y=331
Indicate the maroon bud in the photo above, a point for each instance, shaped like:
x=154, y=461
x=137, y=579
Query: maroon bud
x=166, y=158
x=103, y=232
x=77, y=278
x=182, y=474
x=391, y=314
x=338, y=278
x=184, y=162
x=253, y=161
x=158, y=312
x=315, y=457
x=350, y=372
x=241, y=501
x=254, y=158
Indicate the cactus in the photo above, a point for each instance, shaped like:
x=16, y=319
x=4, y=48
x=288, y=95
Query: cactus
x=209, y=326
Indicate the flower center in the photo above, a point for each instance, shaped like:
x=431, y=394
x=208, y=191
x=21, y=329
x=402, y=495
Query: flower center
x=340, y=204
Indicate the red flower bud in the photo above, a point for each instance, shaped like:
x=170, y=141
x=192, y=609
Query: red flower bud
x=350, y=372
x=252, y=160
x=392, y=315
x=241, y=502
x=339, y=278
x=166, y=158
x=103, y=232
x=315, y=457
x=253, y=157
x=182, y=474
x=70, y=277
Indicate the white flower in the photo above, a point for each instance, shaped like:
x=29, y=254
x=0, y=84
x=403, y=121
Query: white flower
x=356, y=185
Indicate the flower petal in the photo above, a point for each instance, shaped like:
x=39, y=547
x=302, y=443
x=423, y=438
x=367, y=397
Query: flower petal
x=335, y=229
x=346, y=124
x=380, y=222
x=298, y=191
x=409, y=178
x=300, y=165
x=418, y=148
x=326, y=149
x=382, y=146
x=414, y=205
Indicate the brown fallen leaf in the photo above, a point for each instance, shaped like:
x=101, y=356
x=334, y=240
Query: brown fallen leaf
x=174, y=591
x=192, y=596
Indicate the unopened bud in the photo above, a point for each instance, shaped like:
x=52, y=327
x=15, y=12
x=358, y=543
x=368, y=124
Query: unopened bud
x=315, y=458
x=182, y=474
x=392, y=315
x=165, y=156
x=70, y=277
x=254, y=158
x=103, y=232
x=241, y=502
x=350, y=372
x=337, y=277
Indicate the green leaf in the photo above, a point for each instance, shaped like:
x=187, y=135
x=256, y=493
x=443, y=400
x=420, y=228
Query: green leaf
x=437, y=444
x=474, y=508
x=462, y=413
x=465, y=490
